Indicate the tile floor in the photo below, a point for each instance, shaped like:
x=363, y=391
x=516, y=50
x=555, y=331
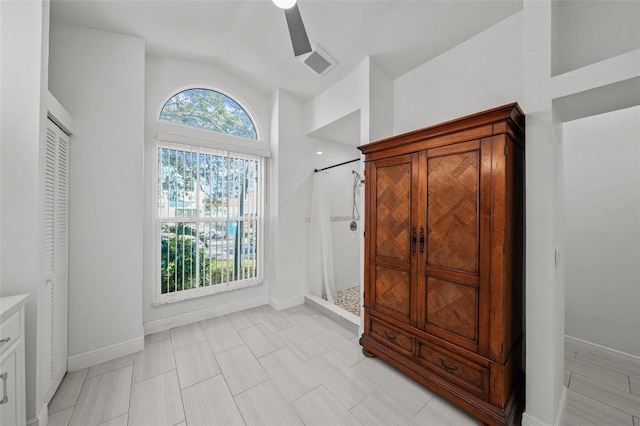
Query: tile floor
x=297, y=367
x=293, y=367
x=603, y=389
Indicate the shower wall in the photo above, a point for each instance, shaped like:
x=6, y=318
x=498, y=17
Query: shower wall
x=346, y=243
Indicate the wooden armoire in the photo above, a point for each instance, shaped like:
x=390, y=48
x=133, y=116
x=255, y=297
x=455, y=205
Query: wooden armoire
x=444, y=259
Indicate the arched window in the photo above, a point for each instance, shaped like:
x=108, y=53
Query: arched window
x=209, y=110
x=209, y=216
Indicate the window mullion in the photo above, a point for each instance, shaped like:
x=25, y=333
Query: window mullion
x=240, y=223
x=183, y=222
x=175, y=210
x=228, y=209
x=197, y=183
x=243, y=194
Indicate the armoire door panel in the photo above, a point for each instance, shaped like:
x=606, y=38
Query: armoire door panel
x=393, y=236
x=393, y=211
x=453, y=308
x=453, y=182
x=392, y=291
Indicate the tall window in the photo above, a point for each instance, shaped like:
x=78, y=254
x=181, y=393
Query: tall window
x=209, y=201
x=208, y=218
x=210, y=110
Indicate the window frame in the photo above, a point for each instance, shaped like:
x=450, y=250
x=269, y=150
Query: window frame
x=189, y=137
x=159, y=297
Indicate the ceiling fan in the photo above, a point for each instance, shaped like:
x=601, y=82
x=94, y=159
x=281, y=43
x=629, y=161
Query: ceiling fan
x=298, y=34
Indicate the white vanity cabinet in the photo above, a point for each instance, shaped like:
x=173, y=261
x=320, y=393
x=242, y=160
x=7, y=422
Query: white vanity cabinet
x=12, y=374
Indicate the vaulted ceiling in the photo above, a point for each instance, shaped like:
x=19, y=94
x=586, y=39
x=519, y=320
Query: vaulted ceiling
x=250, y=38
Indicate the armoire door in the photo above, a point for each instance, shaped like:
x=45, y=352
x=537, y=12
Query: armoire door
x=392, y=247
x=457, y=219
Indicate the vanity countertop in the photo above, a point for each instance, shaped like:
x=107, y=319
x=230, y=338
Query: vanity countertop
x=10, y=304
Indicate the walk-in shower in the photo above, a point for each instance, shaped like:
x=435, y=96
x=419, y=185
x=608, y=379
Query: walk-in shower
x=335, y=237
x=334, y=177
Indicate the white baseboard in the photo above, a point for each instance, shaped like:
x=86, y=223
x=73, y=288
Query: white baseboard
x=594, y=347
x=179, y=320
x=98, y=356
x=529, y=420
x=279, y=305
x=562, y=408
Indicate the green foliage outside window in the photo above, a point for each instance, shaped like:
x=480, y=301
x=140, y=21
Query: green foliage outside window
x=210, y=110
x=183, y=252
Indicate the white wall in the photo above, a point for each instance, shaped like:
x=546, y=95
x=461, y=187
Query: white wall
x=368, y=89
x=586, y=32
x=340, y=177
x=485, y=71
x=380, y=103
x=163, y=78
x=287, y=203
x=602, y=204
x=346, y=243
x=346, y=96
x=22, y=35
x=544, y=287
x=99, y=78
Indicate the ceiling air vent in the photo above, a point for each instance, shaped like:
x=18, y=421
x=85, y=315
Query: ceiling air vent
x=318, y=61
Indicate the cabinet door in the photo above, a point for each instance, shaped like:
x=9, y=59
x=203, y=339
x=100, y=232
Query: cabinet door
x=9, y=390
x=457, y=220
x=391, y=246
x=54, y=301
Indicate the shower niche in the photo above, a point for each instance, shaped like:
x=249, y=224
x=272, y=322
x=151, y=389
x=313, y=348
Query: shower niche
x=334, y=216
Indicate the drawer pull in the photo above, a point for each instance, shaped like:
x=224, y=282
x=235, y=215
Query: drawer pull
x=5, y=340
x=388, y=337
x=445, y=368
x=3, y=377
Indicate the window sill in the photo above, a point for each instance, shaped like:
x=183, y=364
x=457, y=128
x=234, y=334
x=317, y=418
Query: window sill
x=195, y=293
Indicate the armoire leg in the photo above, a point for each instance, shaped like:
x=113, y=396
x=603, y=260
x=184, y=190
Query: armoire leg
x=368, y=354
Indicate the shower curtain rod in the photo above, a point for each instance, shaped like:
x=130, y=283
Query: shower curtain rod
x=336, y=165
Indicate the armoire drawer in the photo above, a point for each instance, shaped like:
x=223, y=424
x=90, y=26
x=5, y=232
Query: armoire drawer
x=455, y=368
x=392, y=336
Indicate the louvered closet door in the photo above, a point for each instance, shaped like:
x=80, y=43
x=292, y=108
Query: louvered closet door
x=393, y=236
x=457, y=223
x=54, y=304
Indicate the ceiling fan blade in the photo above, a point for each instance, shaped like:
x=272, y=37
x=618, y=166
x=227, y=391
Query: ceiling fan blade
x=297, y=32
